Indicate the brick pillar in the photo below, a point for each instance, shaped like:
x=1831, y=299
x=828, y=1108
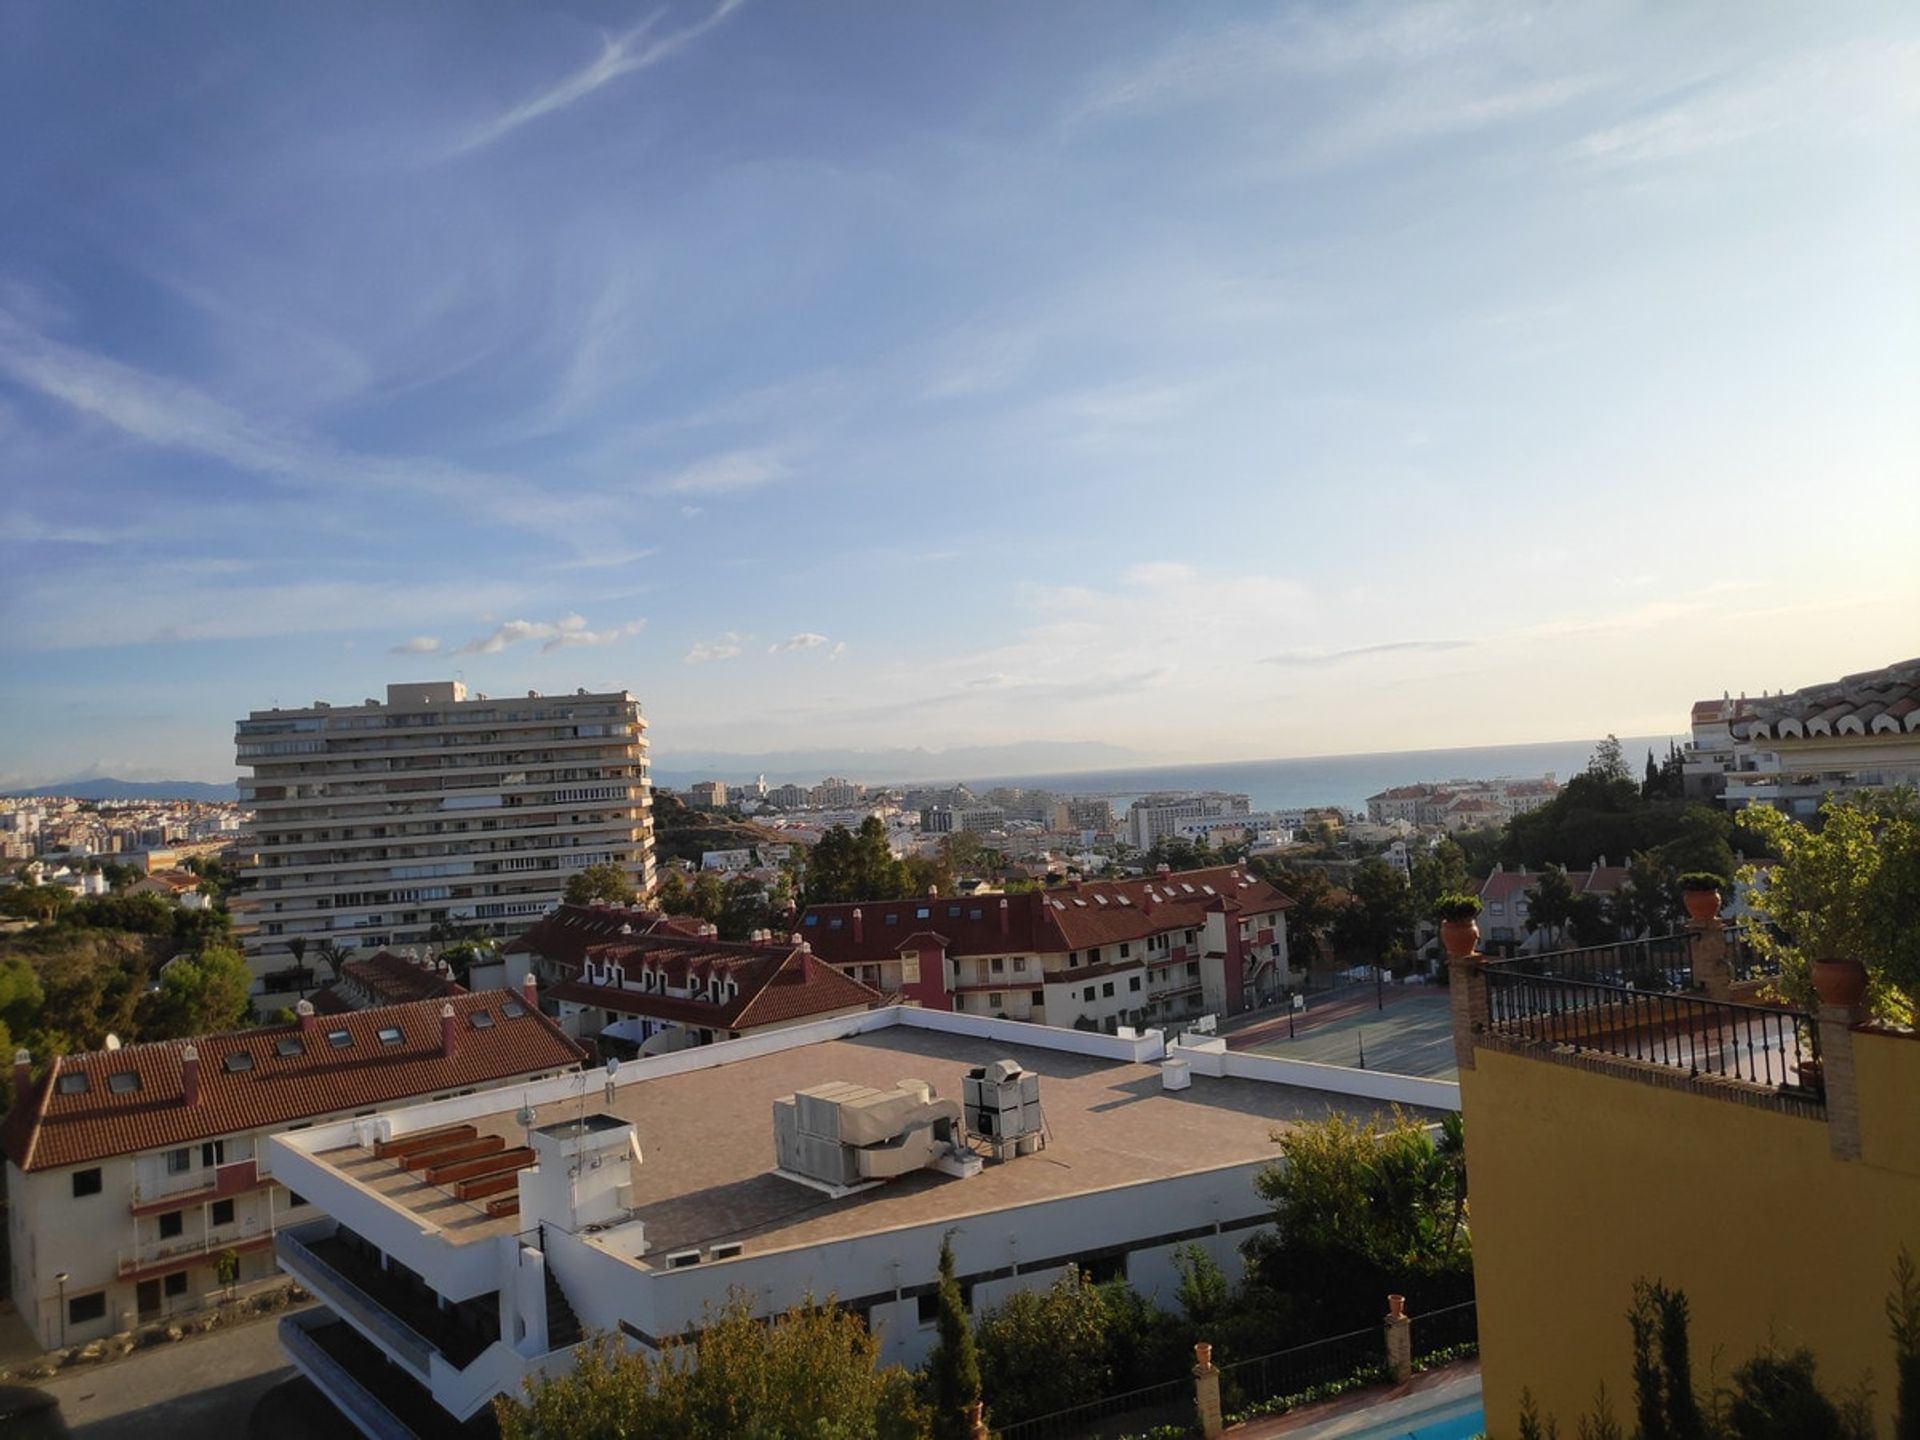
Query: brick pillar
x=1467, y=993
x=1399, y=1339
x=1206, y=1391
x=1710, y=969
x=1843, y=1086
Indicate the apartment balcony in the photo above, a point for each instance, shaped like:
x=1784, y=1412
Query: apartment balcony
x=357, y=1378
x=393, y=1309
x=141, y=1262
x=198, y=1187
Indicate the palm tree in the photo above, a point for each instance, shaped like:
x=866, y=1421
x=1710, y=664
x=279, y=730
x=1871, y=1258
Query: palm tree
x=332, y=953
x=297, y=947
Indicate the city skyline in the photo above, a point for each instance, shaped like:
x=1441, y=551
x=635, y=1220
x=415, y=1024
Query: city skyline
x=1261, y=383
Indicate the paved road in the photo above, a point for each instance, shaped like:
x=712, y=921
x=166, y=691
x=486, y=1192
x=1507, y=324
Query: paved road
x=206, y=1386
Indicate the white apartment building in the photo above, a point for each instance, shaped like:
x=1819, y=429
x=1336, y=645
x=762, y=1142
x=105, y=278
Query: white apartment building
x=636, y=1199
x=131, y=1171
x=389, y=824
x=1155, y=817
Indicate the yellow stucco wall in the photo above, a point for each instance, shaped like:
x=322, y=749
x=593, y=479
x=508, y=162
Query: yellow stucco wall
x=1582, y=1182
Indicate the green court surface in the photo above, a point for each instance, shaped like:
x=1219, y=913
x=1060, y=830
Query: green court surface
x=1412, y=1036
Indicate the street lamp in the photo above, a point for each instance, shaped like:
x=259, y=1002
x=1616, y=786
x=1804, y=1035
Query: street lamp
x=61, y=1281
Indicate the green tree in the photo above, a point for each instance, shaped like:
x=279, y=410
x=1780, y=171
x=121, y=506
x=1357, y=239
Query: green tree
x=198, y=995
x=1903, y=1324
x=1550, y=904
x=855, y=865
x=1645, y=904
x=1441, y=871
x=605, y=881
x=42, y=903
x=953, y=1370
x=1046, y=1350
x=1204, y=1293
x=1848, y=889
x=333, y=955
x=1377, y=927
x=812, y=1372
x=1316, y=905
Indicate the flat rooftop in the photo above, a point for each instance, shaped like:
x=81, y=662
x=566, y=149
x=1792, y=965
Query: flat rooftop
x=707, y=1138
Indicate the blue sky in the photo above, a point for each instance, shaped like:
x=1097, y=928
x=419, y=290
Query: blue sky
x=1214, y=381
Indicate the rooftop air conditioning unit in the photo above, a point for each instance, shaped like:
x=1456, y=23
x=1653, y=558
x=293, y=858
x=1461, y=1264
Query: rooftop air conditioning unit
x=1003, y=1108
x=840, y=1137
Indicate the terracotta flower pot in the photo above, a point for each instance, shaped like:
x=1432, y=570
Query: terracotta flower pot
x=1702, y=905
x=1840, y=982
x=1460, y=937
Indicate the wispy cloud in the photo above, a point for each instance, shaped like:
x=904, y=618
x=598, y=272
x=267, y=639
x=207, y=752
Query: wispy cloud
x=805, y=640
x=560, y=634
x=635, y=49
x=27, y=530
x=611, y=561
x=705, y=652
x=727, y=474
x=1390, y=647
x=418, y=645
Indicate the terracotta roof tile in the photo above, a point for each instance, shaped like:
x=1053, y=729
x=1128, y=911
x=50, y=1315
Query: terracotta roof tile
x=51, y=1126
x=771, y=985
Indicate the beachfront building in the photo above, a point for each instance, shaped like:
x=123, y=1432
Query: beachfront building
x=1153, y=818
x=627, y=1204
x=131, y=1171
x=1099, y=954
x=385, y=824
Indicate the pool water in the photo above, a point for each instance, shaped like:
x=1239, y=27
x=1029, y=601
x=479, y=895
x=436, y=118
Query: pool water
x=1459, y=1421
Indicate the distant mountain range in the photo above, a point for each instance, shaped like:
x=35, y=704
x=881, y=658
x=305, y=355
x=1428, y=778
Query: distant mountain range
x=676, y=768
x=107, y=788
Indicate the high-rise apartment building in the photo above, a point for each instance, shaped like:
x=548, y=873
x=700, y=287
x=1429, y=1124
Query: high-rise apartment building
x=430, y=816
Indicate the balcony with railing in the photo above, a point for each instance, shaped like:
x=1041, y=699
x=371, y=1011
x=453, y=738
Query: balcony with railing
x=1637, y=1002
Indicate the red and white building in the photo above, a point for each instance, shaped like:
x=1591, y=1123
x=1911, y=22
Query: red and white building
x=1096, y=955
x=131, y=1171
x=641, y=983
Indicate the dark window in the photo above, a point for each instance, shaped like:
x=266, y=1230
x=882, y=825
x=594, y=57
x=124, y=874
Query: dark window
x=179, y=1161
x=953, y=912
x=235, y=1061
x=999, y=965
x=974, y=913
x=1125, y=950
x=86, y=1182
x=1039, y=997
x=834, y=923
x=1093, y=956
x=1133, y=982
x=390, y=1035
x=1193, y=969
x=295, y=1198
x=82, y=1308
x=339, y=1039
x=72, y=1083
x=123, y=1082
x=892, y=919
x=1106, y=1269
x=288, y=1045
x=1088, y=994
x=927, y=1306
x=214, y=1152
x=1107, y=989
x=512, y=1009
x=172, y=1224
x=222, y=1212
x=176, y=1283
x=481, y=1019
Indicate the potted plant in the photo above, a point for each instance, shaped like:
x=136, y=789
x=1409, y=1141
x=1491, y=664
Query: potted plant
x=1700, y=892
x=1456, y=912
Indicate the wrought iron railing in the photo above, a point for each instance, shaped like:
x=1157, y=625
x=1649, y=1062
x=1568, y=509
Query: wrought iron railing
x=1661, y=962
x=1447, y=1328
x=1288, y=1372
x=1169, y=1402
x=1754, y=1043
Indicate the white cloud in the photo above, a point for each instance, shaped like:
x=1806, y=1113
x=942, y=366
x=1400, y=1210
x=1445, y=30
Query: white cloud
x=727, y=474
x=560, y=634
x=704, y=652
x=418, y=645
x=619, y=55
x=805, y=640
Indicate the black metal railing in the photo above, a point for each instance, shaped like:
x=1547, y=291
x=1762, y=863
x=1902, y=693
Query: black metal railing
x=1660, y=962
x=1288, y=1372
x=1754, y=1043
x=1447, y=1328
x=1168, y=1403
x=1744, y=960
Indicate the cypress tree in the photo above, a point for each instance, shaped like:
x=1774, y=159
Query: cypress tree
x=954, y=1367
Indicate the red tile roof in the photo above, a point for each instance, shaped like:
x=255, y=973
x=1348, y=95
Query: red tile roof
x=48, y=1128
x=384, y=978
x=1875, y=702
x=1073, y=917
x=563, y=935
x=772, y=984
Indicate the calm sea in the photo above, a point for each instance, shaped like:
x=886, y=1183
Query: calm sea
x=1344, y=780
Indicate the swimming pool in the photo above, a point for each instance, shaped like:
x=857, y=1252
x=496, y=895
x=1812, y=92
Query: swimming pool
x=1452, y=1420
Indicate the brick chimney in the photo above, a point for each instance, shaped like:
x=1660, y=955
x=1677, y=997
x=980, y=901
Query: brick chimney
x=309, y=1022
x=22, y=1074
x=530, y=991
x=1005, y=922
x=856, y=925
x=190, y=1077
x=449, y=1032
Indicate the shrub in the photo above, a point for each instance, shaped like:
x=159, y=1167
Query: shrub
x=1702, y=880
x=1456, y=905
